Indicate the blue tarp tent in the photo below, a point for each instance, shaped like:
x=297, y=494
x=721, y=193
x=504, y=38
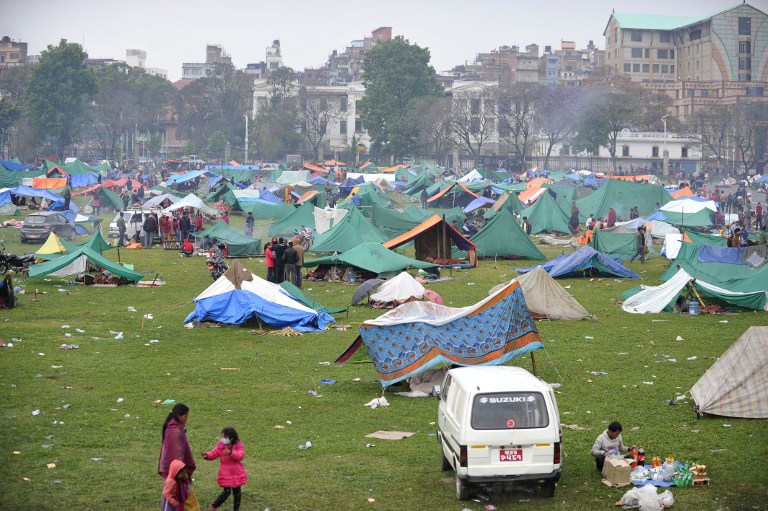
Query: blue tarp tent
x=587, y=258
x=238, y=296
x=11, y=165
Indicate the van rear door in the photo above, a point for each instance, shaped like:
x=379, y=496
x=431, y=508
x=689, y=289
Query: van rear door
x=512, y=434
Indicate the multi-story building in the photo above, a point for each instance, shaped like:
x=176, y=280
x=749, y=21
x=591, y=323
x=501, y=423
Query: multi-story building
x=700, y=60
x=138, y=58
x=12, y=53
x=345, y=124
x=505, y=65
x=347, y=66
x=214, y=55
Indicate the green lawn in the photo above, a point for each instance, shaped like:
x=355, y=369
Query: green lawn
x=105, y=452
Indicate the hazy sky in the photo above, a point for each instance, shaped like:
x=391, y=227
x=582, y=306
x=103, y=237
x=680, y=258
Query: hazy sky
x=173, y=32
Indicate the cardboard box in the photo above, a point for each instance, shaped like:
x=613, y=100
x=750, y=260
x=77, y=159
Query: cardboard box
x=616, y=472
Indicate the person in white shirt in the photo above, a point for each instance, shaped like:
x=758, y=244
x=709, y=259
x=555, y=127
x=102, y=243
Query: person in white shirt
x=608, y=443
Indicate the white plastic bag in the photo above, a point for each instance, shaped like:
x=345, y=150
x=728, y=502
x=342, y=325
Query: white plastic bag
x=649, y=499
x=630, y=499
x=667, y=499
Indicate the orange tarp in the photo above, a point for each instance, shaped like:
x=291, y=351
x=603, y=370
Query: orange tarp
x=424, y=228
x=538, y=182
x=389, y=170
x=644, y=177
x=334, y=163
x=307, y=195
x=586, y=238
x=684, y=192
x=531, y=194
x=49, y=182
x=315, y=168
x=446, y=190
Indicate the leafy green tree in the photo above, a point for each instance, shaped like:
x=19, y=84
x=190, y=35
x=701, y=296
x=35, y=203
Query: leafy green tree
x=397, y=75
x=57, y=94
x=155, y=144
x=216, y=144
x=592, y=131
x=315, y=113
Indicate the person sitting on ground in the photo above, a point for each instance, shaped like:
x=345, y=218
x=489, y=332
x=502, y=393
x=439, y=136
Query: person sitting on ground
x=609, y=443
x=187, y=248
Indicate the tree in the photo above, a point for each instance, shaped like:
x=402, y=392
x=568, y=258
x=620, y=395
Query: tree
x=275, y=130
x=216, y=144
x=556, y=112
x=57, y=94
x=473, y=120
x=750, y=133
x=517, y=119
x=396, y=75
x=315, y=114
x=433, y=119
x=592, y=131
x=712, y=126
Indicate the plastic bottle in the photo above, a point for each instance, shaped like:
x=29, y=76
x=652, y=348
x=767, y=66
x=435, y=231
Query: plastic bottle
x=641, y=457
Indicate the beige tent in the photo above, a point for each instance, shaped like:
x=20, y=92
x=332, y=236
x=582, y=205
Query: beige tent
x=737, y=383
x=546, y=298
x=52, y=245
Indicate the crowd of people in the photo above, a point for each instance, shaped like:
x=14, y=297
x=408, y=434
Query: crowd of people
x=284, y=260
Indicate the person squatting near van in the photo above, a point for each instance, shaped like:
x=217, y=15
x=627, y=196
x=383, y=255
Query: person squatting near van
x=608, y=443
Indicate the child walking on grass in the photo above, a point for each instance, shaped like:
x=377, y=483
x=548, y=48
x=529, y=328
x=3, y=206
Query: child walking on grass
x=176, y=487
x=232, y=473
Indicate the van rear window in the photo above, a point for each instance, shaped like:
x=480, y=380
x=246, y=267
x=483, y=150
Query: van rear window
x=35, y=220
x=509, y=410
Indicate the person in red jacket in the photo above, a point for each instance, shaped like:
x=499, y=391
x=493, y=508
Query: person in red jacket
x=269, y=262
x=165, y=228
x=232, y=473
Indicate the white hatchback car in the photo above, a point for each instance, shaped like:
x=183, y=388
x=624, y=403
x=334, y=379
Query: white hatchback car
x=499, y=425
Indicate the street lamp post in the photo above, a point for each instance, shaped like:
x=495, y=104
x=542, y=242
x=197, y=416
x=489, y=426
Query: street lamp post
x=246, y=139
x=665, y=154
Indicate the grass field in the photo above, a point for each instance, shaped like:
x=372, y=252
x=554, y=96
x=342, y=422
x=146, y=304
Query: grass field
x=105, y=452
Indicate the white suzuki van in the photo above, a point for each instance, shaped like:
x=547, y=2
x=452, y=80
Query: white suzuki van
x=499, y=425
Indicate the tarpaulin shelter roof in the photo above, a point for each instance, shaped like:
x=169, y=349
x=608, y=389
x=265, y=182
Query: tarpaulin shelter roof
x=288, y=177
x=300, y=217
x=13, y=166
x=433, y=239
x=391, y=221
x=159, y=199
x=238, y=295
x=546, y=215
x=545, y=297
x=587, y=258
x=682, y=192
x=372, y=257
x=507, y=200
x=95, y=243
x=348, y=233
x=298, y=294
x=459, y=190
x=615, y=244
x=453, y=216
x=194, y=202
x=503, y=237
x=237, y=244
x=418, y=335
x=662, y=298
x=737, y=383
x=622, y=196
x=264, y=209
x=75, y=262
x=52, y=245
x=398, y=289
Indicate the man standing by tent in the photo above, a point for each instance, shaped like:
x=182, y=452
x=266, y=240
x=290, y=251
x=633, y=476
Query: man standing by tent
x=300, y=262
x=67, y=198
x=279, y=249
x=640, y=246
x=290, y=258
x=121, y=230
x=526, y=226
x=249, y=224
x=149, y=228
x=185, y=225
x=424, y=197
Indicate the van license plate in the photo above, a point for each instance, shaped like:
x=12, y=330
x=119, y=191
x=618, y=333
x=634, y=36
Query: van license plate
x=511, y=455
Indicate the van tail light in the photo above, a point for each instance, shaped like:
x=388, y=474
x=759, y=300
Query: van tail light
x=463, y=455
x=556, y=459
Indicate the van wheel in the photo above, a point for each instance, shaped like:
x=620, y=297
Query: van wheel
x=446, y=464
x=462, y=488
x=547, y=489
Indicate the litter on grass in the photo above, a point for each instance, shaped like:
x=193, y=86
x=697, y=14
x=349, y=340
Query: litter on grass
x=377, y=402
x=679, y=338
x=390, y=435
x=69, y=346
x=131, y=308
x=305, y=446
x=326, y=381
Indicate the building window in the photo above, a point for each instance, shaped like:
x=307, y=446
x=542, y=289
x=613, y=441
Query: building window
x=636, y=36
x=635, y=68
x=745, y=25
x=646, y=68
x=704, y=93
x=358, y=126
x=627, y=68
x=323, y=103
x=474, y=125
x=664, y=68
x=475, y=106
x=745, y=47
x=745, y=78
x=625, y=151
x=672, y=68
x=665, y=37
x=343, y=104
x=342, y=127
x=637, y=53
x=691, y=92
x=655, y=152
x=655, y=68
x=662, y=54
x=745, y=64
x=671, y=54
x=647, y=53
x=694, y=34
x=684, y=152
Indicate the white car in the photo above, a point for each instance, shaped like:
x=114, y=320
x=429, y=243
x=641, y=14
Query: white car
x=499, y=426
x=134, y=220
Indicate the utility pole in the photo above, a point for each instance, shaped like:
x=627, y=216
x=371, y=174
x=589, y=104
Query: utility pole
x=246, y=139
x=665, y=154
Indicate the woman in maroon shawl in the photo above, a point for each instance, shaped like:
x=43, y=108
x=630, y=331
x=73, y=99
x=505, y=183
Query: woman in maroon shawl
x=175, y=444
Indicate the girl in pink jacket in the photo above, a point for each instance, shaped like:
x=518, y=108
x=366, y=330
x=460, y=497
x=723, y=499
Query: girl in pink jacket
x=232, y=473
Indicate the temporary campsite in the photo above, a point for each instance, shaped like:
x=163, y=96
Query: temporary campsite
x=503, y=237
x=433, y=239
x=238, y=295
x=77, y=262
x=238, y=245
x=391, y=221
x=621, y=196
x=419, y=335
x=348, y=233
x=547, y=299
x=371, y=257
x=737, y=383
x=617, y=244
x=546, y=215
x=585, y=260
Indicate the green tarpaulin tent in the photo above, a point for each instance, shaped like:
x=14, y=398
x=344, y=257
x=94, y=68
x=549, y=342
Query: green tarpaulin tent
x=95, y=243
x=109, y=198
x=368, y=195
x=392, y=222
x=238, y=245
x=545, y=215
x=263, y=210
x=507, y=200
x=454, y=216
x=371, y=257
x=301, y=217
x=503, y=237
x=72, y=263
x=614, y=244
x=713, y=240
x=351, y=231
x=622, y=196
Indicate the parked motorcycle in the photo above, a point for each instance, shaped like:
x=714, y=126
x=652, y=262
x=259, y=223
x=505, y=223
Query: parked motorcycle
x=305, y=237
x=12, y=262
x=216, y=264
